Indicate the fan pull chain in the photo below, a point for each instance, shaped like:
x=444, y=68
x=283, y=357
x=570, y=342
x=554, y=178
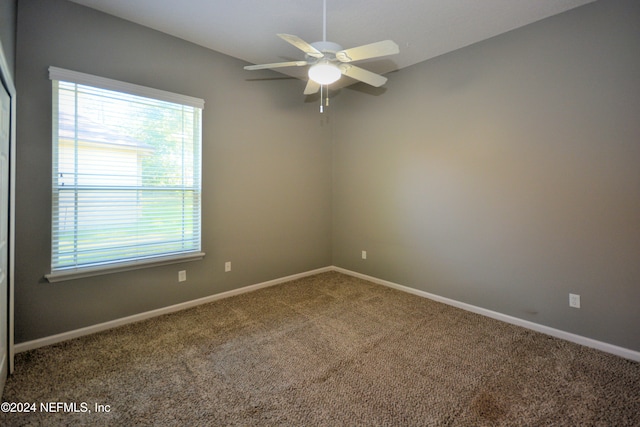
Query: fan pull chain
x=325, y=97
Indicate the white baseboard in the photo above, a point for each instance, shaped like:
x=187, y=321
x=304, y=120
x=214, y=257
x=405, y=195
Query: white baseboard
x=54, y=339
x=578, y=339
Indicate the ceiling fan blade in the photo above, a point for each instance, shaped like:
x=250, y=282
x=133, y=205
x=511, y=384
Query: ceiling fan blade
x=276, y=65
x=373, y=50
x=302, y=45
x=363, y=75
x=311, y=88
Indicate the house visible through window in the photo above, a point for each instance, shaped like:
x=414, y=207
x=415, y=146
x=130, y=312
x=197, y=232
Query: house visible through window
x=126, y=176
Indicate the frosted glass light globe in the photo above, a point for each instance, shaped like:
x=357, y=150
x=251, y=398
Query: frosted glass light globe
x=324, y=73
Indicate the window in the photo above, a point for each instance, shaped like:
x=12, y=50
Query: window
x=126, y=176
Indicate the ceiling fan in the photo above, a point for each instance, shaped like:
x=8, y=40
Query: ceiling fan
x=329, y=61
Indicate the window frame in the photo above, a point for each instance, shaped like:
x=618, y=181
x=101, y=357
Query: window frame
x=68, y=273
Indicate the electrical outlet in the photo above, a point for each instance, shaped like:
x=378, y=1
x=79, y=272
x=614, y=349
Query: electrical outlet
x=574, y=300
x=227, y=266
x=364, y=254
x=182, y=275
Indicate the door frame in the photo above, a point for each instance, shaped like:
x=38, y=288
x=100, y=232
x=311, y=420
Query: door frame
x=6, y=80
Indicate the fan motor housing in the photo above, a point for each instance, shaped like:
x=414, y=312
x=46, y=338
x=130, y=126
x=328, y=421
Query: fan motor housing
x=327, y=48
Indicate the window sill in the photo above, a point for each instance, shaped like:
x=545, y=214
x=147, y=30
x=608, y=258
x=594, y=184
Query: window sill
x=79, y=273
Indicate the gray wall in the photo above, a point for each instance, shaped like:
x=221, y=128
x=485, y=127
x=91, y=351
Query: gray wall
x=8, y=32
x=506, y=174
x=266, y=169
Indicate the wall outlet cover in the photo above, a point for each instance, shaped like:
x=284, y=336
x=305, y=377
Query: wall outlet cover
x=574, y=300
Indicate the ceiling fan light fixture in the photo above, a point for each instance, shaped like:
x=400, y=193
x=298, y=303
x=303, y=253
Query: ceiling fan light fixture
x=324, y=73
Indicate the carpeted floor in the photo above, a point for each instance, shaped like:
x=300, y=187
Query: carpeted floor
x=327, y=350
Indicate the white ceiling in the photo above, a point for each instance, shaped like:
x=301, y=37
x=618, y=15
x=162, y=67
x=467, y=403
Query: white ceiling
x=246, y=29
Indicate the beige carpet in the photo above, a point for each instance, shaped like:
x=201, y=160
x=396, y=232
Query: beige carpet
x=328, y=350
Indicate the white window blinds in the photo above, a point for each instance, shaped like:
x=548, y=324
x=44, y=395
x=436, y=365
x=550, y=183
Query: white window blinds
x=126, y=175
